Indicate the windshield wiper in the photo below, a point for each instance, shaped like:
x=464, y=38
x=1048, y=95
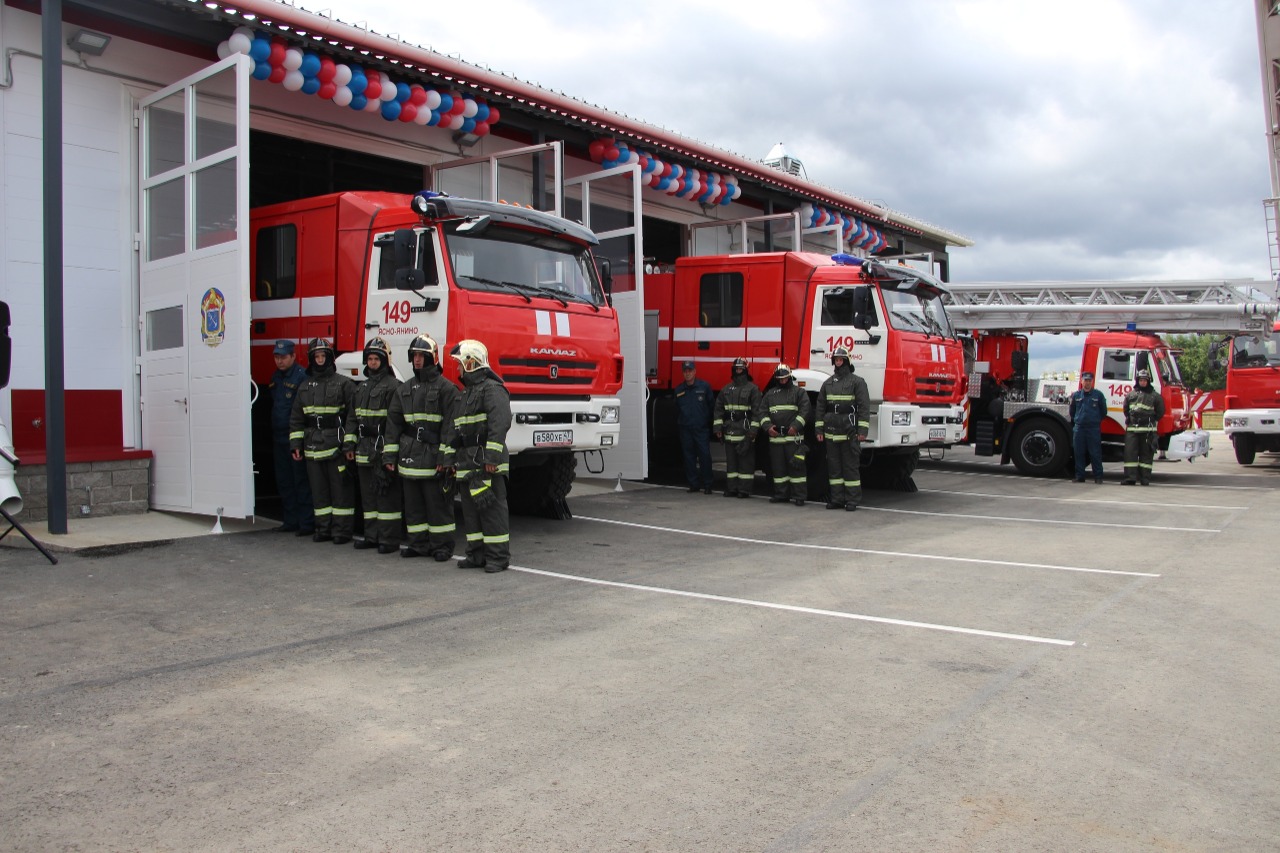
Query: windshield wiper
x=912, y=321
x=562, y=295
x=518, y=288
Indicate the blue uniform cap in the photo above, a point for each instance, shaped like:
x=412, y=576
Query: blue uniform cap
x=1086, y=375
x=688, y=365
x=283, y=348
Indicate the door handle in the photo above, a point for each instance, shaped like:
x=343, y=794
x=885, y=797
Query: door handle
x=183, y=401
x=372, y=325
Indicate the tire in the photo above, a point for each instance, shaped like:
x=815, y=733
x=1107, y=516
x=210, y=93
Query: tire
x=1246, y=447
x=891, y=472
x=540, y=490
x=1039, y=448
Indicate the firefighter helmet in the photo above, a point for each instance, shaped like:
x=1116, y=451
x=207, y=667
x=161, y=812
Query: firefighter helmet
x=840, y=352
x=782, y=372
x=471, y=355
x=426, y=345
x=1144, y=374
x=319, y=345
x=377, y=346
x=741, y=362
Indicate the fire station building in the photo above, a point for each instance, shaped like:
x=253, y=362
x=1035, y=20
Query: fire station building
x=180, y=116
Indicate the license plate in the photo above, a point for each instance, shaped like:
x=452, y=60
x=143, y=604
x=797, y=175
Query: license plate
x=553, y=438
x=937, y=434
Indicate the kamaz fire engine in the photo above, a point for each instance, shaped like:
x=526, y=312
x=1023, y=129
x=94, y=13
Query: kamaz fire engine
x=1252, y=416
x=795, y=308
x=353, y=265
x=1006, y=419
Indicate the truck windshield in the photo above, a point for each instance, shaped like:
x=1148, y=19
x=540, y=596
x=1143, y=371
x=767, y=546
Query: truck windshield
x=1252, y=351
x=1167, y=366
x=532, y=263
x=916, y=311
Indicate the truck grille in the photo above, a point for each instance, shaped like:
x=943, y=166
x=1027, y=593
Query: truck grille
x=935, y=386
x=547, y=371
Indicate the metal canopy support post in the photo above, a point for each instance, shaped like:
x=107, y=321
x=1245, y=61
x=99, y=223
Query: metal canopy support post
x=54, y=380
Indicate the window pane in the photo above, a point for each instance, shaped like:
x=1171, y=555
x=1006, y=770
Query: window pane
x=463, y=181
x=527, y=179
x=215, y=189
x=276, y=276
x=166, y=134
x=611, y=207
x=720, y=299
x=166, y=220
x=1117, y=365
x=215, y=114
x=717, y=240
x=164, y=328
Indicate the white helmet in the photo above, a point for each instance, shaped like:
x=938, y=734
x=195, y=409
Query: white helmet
x=471, y=355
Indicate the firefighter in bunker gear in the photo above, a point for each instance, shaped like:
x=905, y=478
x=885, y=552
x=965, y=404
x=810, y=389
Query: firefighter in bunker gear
x=366, y=426
x=291, y=474
x=315, y=432
x=842, y=420
x=1143, y=409
x=736, y=421
x=421, y=407
x=477, y=451
x=786, y=411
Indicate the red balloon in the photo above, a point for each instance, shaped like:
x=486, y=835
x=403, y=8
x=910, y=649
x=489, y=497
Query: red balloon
x=327, y=90
x=277, y=74
x=494, y=115
x=481, y=129
x=458, y=106
x=666, y=170
x=277, y=53
x=596, y=149
x=328, y=68
x=417, y=95
x=612, y=153
x=374, y=89
x=408, y=111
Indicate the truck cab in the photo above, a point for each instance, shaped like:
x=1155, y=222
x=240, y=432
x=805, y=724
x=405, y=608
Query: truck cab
x=1252, y=417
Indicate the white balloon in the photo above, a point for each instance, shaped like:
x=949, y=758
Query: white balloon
x=240, y=43
x=293, y=80
x=433, y=100
x=469, y=108
x=388, y=87
x=342, y=96
x=292, y=59
x=455, y=123
x=224, y=50
x=341, y=75
x=423, y=116
x=244, y=31
x=374, y=106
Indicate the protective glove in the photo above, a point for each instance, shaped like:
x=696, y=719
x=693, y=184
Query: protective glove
x=484, y=496
x=383, y=481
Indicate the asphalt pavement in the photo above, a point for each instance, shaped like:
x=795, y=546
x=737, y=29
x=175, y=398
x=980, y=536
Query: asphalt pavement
x=991, y=663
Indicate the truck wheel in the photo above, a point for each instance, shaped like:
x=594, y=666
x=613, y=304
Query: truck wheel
x=1038, y=448
x=1246, y=447
x=891, y=472
x=540, y=490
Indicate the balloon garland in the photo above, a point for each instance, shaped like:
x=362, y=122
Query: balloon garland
x=690, y=184
x=360, y=89
x=855, y=232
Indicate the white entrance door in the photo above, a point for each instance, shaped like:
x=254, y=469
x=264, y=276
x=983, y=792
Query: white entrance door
x=193, y=291
x=520, y=176
x=612, y=207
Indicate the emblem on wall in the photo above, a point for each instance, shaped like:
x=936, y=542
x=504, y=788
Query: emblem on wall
x=213, y=317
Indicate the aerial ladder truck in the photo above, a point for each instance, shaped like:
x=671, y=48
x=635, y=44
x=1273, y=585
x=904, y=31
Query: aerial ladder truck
x=1121, y=321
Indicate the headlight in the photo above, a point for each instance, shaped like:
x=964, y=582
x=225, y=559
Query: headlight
x=609, y=414
x=901, y=419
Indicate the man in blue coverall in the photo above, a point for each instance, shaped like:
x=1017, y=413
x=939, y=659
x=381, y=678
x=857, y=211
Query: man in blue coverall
x=1088, y=409
x=291, y=476
x=694, y=405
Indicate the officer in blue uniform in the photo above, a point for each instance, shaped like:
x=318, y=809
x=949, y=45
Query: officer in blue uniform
x=1088, y=409
x=695, y=405
x=291, y=476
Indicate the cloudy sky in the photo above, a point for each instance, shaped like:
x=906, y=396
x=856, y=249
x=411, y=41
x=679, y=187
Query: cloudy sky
x=1094, y=139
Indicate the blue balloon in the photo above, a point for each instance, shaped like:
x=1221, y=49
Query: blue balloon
x=358, y=102
x=310, y=65
x=310, y=86
x=260, y=50
x=434, y=120
x=446, y=103
x=664, y=184
x=261, y=70
x=358, y=83
x=468, y=125
x=390, y=110
x=482, y=112
x=403, y=92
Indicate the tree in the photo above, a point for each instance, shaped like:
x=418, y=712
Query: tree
x=1194, y=362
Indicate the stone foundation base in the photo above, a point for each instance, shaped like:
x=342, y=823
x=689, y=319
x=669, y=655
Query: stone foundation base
x=116, y=487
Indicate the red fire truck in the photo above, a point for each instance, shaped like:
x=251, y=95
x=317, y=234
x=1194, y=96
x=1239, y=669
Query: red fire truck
x=1006, y=418
x=353, y=265
x=795, y=307
x=1252, y=416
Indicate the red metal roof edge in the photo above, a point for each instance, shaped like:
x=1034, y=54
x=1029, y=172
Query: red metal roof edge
x=316, y=27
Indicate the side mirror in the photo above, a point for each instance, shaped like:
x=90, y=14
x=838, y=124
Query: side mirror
x=404, y=254
x=405, y=248
x=1144, y=362
x=863, y=314
x=606, y=275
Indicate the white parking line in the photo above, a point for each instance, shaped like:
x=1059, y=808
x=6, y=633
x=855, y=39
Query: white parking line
x=1079, y=500
x=1042, y=520
x=845, y=550
x=838, y=614
x=1161, y=483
